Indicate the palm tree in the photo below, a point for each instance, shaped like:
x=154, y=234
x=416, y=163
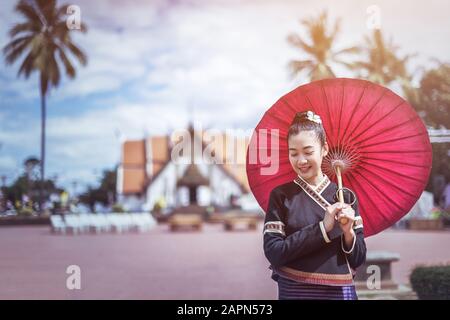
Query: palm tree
x=319, y=49
x=44, y=39
x=381, y=64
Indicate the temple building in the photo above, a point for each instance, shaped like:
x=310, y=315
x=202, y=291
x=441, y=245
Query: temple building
x=193, y=169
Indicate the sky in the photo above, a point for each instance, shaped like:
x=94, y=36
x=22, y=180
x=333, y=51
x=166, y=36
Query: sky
x=153, y=66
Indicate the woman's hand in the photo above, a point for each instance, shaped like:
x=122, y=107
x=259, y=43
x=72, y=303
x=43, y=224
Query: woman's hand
x=330, y=215
x=349, y=214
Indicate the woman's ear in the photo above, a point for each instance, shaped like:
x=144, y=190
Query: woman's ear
x=325, y=150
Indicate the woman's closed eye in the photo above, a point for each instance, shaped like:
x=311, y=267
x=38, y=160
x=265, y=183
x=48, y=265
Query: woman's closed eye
x=308, y=154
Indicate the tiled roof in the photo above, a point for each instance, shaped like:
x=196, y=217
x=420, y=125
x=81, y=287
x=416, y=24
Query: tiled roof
x=135, y=154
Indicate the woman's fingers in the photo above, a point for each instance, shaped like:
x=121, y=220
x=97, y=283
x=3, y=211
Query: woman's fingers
x=338, y=207
x=347, y=213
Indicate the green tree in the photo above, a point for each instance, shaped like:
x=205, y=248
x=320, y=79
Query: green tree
x=319, y=49
x=105, y=194
x=432, y=98
x=44, y=39
x=29, y=184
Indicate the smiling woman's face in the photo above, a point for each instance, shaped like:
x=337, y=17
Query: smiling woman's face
x=306, y=154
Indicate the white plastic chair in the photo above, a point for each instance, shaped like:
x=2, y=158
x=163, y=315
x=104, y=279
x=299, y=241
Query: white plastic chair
x=85, y=221
x=57, y=224
x=73, y=223
x=94, y=223
x=138, y=224
x=149, y=220
x=117, y=223
x=128, y=222
x=103, y=222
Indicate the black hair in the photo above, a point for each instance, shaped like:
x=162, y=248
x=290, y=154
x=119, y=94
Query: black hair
x=302, y=122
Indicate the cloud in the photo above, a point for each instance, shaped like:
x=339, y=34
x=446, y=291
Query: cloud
x=155, y=65
x=8, y=163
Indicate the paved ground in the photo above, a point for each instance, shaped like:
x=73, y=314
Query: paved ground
x=212, y=264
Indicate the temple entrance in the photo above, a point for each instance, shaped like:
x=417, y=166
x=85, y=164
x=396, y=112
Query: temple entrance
x=192, y=180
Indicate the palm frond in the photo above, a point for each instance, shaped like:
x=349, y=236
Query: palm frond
x=80, y=55
x=16, y=48
x=70, y=70
x=30, y=26
x=350, y=50
x=296, y=66
x=297, y=42
x=47, y=9
x=27, y=65
x=28, y=12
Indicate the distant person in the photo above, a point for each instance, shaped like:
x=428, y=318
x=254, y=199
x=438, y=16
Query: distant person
x=446, y=196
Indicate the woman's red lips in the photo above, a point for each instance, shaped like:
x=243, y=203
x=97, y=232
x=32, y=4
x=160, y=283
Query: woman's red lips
x=304, y=168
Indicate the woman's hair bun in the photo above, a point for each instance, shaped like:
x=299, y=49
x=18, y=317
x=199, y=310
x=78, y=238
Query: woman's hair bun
x=306, y=116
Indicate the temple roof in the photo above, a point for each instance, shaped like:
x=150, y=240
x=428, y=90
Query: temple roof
x=192, y=177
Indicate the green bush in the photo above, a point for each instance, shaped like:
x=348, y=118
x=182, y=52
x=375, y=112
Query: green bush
x=117, y=208
x=25, y=212
x=431, y=283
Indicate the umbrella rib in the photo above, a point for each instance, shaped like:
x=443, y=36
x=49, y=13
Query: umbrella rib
x=398, y=151
x=346, y=137
x=289, y=105
x=379, y=120
x=361, y=191
x=389, y=170
x=368, y=197
x=379, y=191
x=369, y=111
x=340, y=119
x=388, y=182
x=275, y=116
x=399, y=162
x=386, y=141
x=380, y=132
x=328, y=113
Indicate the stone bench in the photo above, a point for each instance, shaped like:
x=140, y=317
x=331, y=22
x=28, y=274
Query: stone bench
x=233, y=222
x=185, y=220
x=378, y=266
x=381, y=259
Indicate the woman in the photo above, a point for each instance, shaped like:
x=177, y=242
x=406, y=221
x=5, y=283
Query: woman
x=312, y=254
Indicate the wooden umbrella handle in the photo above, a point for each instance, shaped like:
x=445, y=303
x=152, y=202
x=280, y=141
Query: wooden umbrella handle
x=340, y=192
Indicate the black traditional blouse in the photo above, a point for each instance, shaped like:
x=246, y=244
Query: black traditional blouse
x=296, y=243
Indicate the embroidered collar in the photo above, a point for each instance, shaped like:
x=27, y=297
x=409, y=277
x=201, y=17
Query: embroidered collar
x=315, y=192
x=320, y=186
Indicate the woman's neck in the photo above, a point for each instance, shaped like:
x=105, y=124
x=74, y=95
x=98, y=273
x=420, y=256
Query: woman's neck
x=314, y=181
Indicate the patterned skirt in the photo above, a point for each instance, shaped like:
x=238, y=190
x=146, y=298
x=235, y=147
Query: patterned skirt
x=291, y=290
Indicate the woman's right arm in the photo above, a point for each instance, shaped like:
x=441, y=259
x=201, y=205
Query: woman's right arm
x=279, y=249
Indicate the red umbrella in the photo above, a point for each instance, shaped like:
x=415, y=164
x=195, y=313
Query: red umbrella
x=383, y=143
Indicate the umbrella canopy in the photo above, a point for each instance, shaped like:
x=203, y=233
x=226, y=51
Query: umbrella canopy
x=381, y=139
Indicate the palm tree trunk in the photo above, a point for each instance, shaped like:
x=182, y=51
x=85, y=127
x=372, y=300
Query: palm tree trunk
x=43, y=116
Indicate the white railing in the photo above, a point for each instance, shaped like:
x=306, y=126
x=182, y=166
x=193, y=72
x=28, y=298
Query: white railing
x=439, y=135
x=100, y=223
